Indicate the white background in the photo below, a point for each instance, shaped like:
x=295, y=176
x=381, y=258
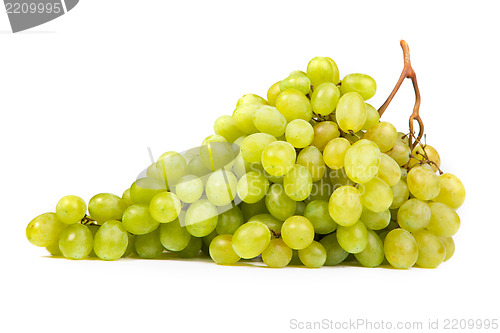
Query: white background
x=82, y=97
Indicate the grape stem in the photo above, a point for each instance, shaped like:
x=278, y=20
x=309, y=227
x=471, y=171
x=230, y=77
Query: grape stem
x=87, y=220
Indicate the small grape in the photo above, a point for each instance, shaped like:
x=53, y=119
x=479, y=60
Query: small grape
x=226, y=127
x=252, y=187
x=362, y=84
x=201, y=218
x=414, y=215
x=294, y=105
x=71, y=209
x=383, y=134
x=144, y=189
x=317, y=213
x=376, y=195
x=444, y=221
x=75, y=241
x=44, y=230
x=375, y=221
x=251, y=99
x=313, y=256
x=229, y=221
x=351, y=112
x=354, y=238
x=277, y=254
x=273, y=93
x=335, y=254
x=334, y=153
x=106, y=206
x=278, y=158
x=372, y=117
x=296, y=81
x=325, y=98
x=345, y=205
x=251, y=239
x=221, y=250
x=221, y=187
x=431, y=251
x=148, y=246
x=253, y=145
x=299, y=133
x=423, y=183
x=298, y=183
x=320, y=70
x=165, y=207
x=111, y=240
x=311, y=158
x=400, y=249
x=388, y=170
x=362, y=161
x=297, y=232
x=449, y=244
x=268, y=119
x=189, y=189
x=174, y=236
x=373, y=254
x=137, y=220
x=324, y=132
x=452, y=191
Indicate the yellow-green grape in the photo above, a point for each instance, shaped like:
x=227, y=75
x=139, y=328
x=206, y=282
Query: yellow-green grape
x=336, y=74
x=111, y=240
x=221, y=187
x=197, y=168
x=270, y=221
x=335, y=254
x=251, y=239
x=71, y=209
x=311, y=158
x=321, y=190
x=373, y=254
x=375, y=221
x=431, y=251
x=273, y=93
x=296, y=81
x=268, y=119
x=137, y=220
x=294, y=105
x=277, y=254
x=226, y=127
x=423, y=183
x=414, y=215
x=444, y=221
x=339, y=178
x=388, y=170
x=372, y=117
x=449, y=245
x=221, y=250
x=313, y=256
x=334, y=153
x=213, y=138
x=75, y=241
x=400, y=152
x=324, y=132
x=452, y=191
x=401, y=193
x=419, y=153
x=299, y=133
x=126, y=197
x=218, y=155
x=165, y=207
x=325, y=98
x=384, y=134
x=400, y=249
x=54, y=249
x=106, y=206
x=351, y=112
x=131, y=245
x=297, y=232
x=278, y=158
x=376, y=195
x=300, y=209
x=174, y=236
x=274, y=179
x=319, y=70
x=317, y=213
x=189, y=188
x=279, y=204
x=253, y=145
x=362, y=84
x=171, y=166
x=44, y=230
x=298, y=183
x=207, y=240
x=249, y=210
x=361, y=161
x=229, y=221
x=251, y=99
x=252, y=187
x=148, y=246
x=354, y=238
x=201, y=218
x=144, y=189
x=243, y=117
x=404, y=137
x=345, y=205
x=192, y=249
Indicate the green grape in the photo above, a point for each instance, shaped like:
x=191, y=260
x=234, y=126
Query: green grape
x=111, y=240
x=375, y=221
x=148, y=246
x=388, y=170
x=201, y=218
x=297, y=232
x=335, y=70
x=354, y=238
x=165, y=207
x=238, y=141
x=373, y=254
x=268, y=119
x=54, y=249
x=131, y=245
x=221, y=187
x=400, y=152
x=213, y=138
x=173, y=236
x=322, y=190
x=404, y=174
x=317, y=213
x=383, y=134
x=252, y=187
x=362, y=161
x=334, y=153
x=189, y=189
x=423, y=183
x=345, y=205
x=277, y=254
x=126, y=197
x=278, y=158
x=144, y=189
x=325, y=98
x=401, y=194
x=251, y=99
x=273, y=93
x=217, y=155
x=351, y=112
x=335, y=254
x=44, y=230
x=300, y=208
x=313, y=256
x=209, y=238
x=372, y=117
x=138, y=220
x=431, y=251
x=299, y=133
x=312, y=159
x=243, y=117
x=298, y=183
x=270, y=221
x=376, y=195
x=296, y=81
x=452, y=191
x=354, y=137
x=294, y=105
x=362, y=84
x=419, y=155
x=274, y=179
x=229, y=221
x=449, y=245
x=249, y=210
x=106, y=206
x=75, y=241
x=94, y=228
x=444, y=221
x=221, y=250
x=251, y=239
x=339, y=178
x=295, y=259
x=414, y=215
x=400, y=249
x=171, y=167
x=320, y=70
x=192, y=249
x=226, y=127
x=71, y=209
x=253, y=145
x=197, y=168
x=324, y=132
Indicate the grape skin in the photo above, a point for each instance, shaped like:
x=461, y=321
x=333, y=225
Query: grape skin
x=44, y=230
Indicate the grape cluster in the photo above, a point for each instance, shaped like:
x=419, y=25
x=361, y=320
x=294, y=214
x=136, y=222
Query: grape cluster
x=307, y=176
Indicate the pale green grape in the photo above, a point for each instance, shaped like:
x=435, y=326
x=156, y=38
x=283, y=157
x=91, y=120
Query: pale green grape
x=296, y=81
x=249, y=210
x=317, y=213
x=423, y=183
x=351, y=112
x=419, y=155
x=218, y=155
x=243, y=117
x=274, y=179
x=362, y=84
x=251, y=99
x=273, y=93
x=335, y=70
x=299, y=133
x=277, y=254
x=54, y=249
x=75, y=241
x=251, y=239
x=144, y=189
x=401, y=194
x=126, y=197
x=354, y=238
x=373, y=254
x=431, y=251
x=201, y=218
x=325, y=98
x=324, y=132
x=449, y=244
x=414, y=215
x=240, y=166
x=71, y=209
x=111, y=240
x=253, y=145
x=252, y=187
x=213, y=138
x=192, y=249
x=297, y=232
x=298, y=183
x=339, y=178
x=229, y=221
x=319, y=70
x=362, y=161
x=375, y=221
x=174, y=236
x=221, y=187
x=226, y=127
x=313, y=256
x=376, y=195
x=300, y=208
x=189, y=188
x=221, y=250
x=165, y=207
x=148, y=246
x=452, y=191
x=345, y=205
x=106, y=206
x=311, y=158
x=279, y=204
x=270, y=221
x=444, y=221
x=388, y=170
x=372, y=117
x=383, y=134
x=294, y=105
x=278, y=158
x=321, y=190
x=400, y=152
x=334, y=153
x=44, y=230
x=400, y=249
x=335, y=254
x=138, y=220
x=171, y=166
x=268, y=119
x=208, y=239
